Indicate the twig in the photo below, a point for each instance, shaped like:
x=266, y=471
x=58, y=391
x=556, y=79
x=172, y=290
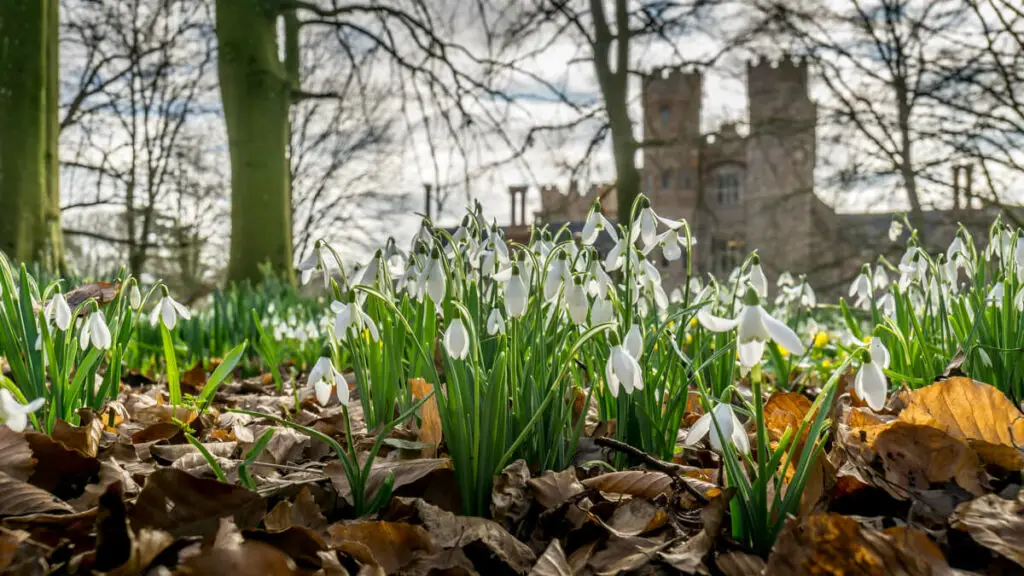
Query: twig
x=672, y=469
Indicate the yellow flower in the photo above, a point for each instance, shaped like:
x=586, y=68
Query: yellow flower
x=671, y=323
x=820, y=339
x=689, y=338
x=826, y=363
x=693, y=322
x=867, y=339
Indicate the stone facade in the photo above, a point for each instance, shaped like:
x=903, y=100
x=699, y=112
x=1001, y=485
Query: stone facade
x=746, y=191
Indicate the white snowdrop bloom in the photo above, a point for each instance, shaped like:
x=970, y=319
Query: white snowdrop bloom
x=600, y=281
x=995, y=295
x=166, y=311
x=15, y=414
x=880, y=278
x=725, y=424
x=516, y=294
x=95, y=330
x=646, y=227
x=1018, y=256
x=456, y=340
x=870, y=383
x=888, y=304
x=601, y=311
x=622, y=369
x=672, y=244
x=323, y=378
x=675, y=296
x=372, y=273
x=557, y=272
x=754, y=328
x=495, y=322
x=785, y=279
x=757, y=278
x=135, y=296
x=808, y=299
x=595, y=224
x=576, y=301
x=352, y=320
x=861, y=290
x=57, y=309
x=613, y=261
x=435, y=282
x=895, y=230
x=912, y=268
x=316, y=262
x=634, y=341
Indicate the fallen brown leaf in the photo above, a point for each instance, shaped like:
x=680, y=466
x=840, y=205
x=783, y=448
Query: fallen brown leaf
x=834, y=544
x=247, y=558
x=511, y=498
x=84, y=439
x=552, y=562
x=452, y=532
x=302, y=511
x=688, y=556
x=390, y=545
x=103, y=292
x=552, y=489
x=300, y=544
x=405, y=472
x=19, y=498
x=737, y=563
x=430, y=417
x=995, y=523
x=640, y=483
x=972, y=411
x=59, y=469
x=785, y=410
x=15, y=455
x=184, y=505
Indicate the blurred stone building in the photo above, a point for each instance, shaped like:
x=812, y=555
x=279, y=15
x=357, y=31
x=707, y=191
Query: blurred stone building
x=749, y=191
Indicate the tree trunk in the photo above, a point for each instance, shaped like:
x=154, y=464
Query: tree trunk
x=256, y=93
x=906, y=159
x=52, y=154
x=23, y=193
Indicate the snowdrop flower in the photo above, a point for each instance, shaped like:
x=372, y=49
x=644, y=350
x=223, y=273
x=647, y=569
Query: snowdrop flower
x=652, y=282
x=724, y=424
x=672, y=244
x=880, y=277
x=912, y=268
x=995, y=295
x=135, y=296
x=323, y=377
x=167, y=310
x=576, y=301
x=434, y=281
x=634, y=341
x=558, y=270
x=95, y=330
x=13, y=413
x=601, y=311
x=495, y=322
x=870, y=383
x=600, y=281
x=456, y=340
x=351, y=319
x=757, y=278
x=516, y=294
x=888, y=304
x=645, y=226
x=59, y=310
x=785, y=279
x=372, y=273
x=595, y=224
x=895, y=230
x=860, y=290
x=315, y=262
x=754, y=328
x=623, y=369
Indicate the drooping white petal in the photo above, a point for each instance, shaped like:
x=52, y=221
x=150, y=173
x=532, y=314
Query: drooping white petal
x=879, y=353
x=323, y=389
x=750, y=353
x=601, y=311
x=99, y=334
x=456, y=340
x=759, y=281
x=715, y=323
x=61, y=312
x=590, y=230
x=634, y=341
x=495, y=323
x=515, y=297
x=739, y=434
x=751, y=324
x=626, y=369
x=180, y=308
x=670, y=247
x=609, y=375
x=699, y=430
x=135, y=297
x=782, y=334
x=168, y=314
x=871, y=386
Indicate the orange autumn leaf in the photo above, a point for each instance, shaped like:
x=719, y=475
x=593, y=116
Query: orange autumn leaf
x=785, y=410
x=972, y=411
x=430, y=416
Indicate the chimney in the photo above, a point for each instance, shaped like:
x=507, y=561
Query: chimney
x=513, y=192
x=956, y=187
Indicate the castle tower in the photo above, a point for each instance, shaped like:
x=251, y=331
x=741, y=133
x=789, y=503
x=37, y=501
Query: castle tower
x=672, y=110
x=781, y=155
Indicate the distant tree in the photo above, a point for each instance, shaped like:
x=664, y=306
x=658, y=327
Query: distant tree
x=30, y=227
